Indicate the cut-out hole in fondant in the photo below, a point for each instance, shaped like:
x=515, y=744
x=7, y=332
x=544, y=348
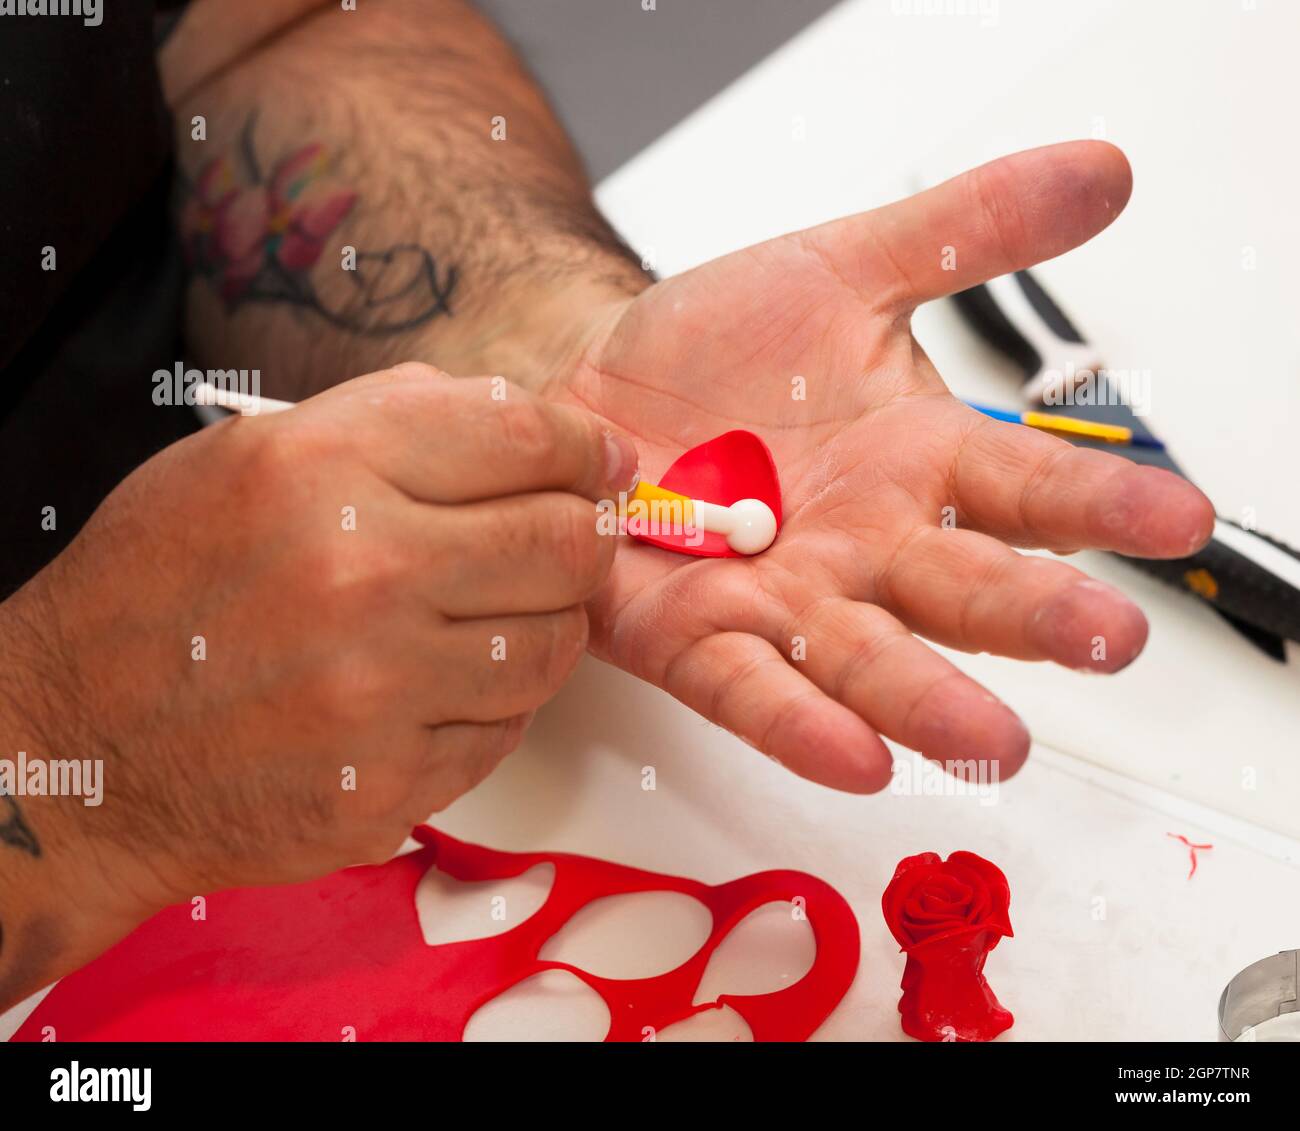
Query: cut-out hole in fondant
x=551, y=1006
x=452, y=910
x=636, y=935
x=769, y=949
x=722, y=1024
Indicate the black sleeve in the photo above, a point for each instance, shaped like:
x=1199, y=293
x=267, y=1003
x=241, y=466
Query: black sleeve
x=83, y=134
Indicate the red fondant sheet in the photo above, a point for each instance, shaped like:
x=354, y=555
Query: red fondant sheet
x=311, y=961
x=736, y=465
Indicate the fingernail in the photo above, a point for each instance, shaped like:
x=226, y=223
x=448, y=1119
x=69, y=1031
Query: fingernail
x=620, y=461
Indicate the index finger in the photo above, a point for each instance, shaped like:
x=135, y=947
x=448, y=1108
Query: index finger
x=1031, y=489
x=463, y=439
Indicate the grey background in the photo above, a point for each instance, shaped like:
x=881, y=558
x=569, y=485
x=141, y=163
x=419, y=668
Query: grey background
x=620, y=76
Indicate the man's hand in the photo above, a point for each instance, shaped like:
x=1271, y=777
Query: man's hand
x=290, y=638
x=868, y=463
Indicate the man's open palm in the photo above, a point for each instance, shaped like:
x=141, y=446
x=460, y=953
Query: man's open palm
x=807, y=651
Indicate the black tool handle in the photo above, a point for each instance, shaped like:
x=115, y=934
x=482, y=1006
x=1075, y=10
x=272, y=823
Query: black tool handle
x=1241, y=575
x=1021, y=320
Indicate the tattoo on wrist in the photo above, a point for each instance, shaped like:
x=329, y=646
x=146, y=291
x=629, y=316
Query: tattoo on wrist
x=14, y=831
x=255, y=235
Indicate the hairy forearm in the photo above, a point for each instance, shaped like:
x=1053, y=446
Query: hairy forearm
x=444, y=216
x=56, y=909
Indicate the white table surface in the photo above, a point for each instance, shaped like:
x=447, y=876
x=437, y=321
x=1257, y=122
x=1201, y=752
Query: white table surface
x=1112, y=939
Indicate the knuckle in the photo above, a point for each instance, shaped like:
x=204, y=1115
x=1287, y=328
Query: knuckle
x=367, y=581
x=431, y=398
x=485, y=391
x=579, y=549
x=527, y=432
x=282, y=452
x=349, y=692
x=346, y=582
x=565, y=643
x=418, y=371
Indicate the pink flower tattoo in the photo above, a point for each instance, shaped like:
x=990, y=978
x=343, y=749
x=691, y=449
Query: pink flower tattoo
x=256, y=238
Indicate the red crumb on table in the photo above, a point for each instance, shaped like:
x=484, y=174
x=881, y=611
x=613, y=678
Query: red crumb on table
x=1192, y=848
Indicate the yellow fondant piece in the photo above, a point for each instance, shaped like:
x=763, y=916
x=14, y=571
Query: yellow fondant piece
x=650, y=495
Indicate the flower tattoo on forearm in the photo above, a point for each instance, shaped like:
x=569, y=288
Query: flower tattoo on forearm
x=255, y=235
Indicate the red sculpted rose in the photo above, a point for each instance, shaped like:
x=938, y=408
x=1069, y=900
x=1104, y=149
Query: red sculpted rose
x=947, y=915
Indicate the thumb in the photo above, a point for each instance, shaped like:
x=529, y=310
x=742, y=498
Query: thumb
x=1001, y=217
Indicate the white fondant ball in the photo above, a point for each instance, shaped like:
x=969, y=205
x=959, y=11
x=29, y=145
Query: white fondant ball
x=753, y=526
